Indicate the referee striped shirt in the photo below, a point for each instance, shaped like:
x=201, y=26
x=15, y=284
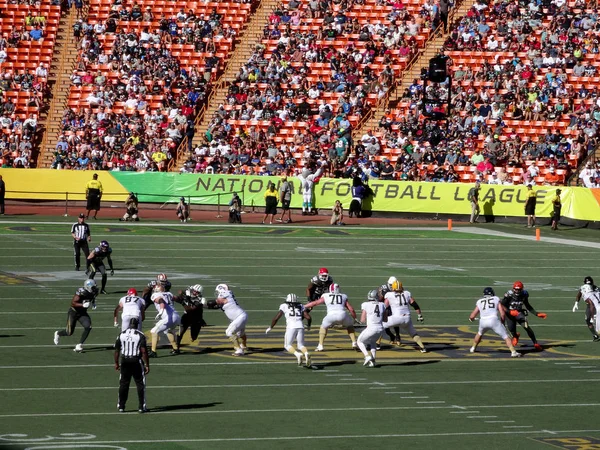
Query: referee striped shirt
x=130, y=342
x=80, y=231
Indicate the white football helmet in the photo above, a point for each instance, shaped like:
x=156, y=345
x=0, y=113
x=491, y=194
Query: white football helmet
x=196, y=290
x=586, y=289
x=334, y=288
x=291, y=298
x=90, y=285
x=391, y=281
x=221, y=290
x=161, y=278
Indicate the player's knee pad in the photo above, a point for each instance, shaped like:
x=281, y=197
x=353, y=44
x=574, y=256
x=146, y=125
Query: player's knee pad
x=525, y=324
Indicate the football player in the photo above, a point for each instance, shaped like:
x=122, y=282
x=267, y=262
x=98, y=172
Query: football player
x=96, y=260
x=162, y=279
x=589, y=317
x=374, y=313
x=516, y=304
x=167, y=319
x=318, y=285
x=78, y=312
x=236, y=331
x=398, y=301
x=132, y=307
x=339, y=312
x=294, y=312
x=193, y=303
x=384, y=289
x=488, y=308
x=591, y=297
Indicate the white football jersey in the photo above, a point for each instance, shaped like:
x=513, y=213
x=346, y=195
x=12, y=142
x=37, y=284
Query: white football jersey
x=132, y=305
x=167, y=298
x=374, y=313
x=399, y=302
x=488, y=307
x=231, y=309
x=335, y=302
x=594, y=297
x=293, y=313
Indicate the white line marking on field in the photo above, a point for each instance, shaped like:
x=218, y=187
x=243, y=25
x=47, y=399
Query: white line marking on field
x=336, y=375
x=379, y=383
x=548, y=431
x=329, y=370
x=482, y=417
x=584, y=367
x=593, y=371
x=499, y=421
x=565, y=363
x=381, y=387
x=464, y=412
x=424, y=396
x=517, y=426
x=396, y=392
x=431, y=403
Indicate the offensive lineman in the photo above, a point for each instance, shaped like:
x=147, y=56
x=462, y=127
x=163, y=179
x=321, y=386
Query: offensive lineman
x=162, y=279
x=516, y=303
x=78, y=312
x=193, y=303
x=338, y=308
x=167, y=319
x=96, y=260
x=132, y=307
x=589, y=317
x=374, y=313
x=236, y=331
x=488, y=307
x=592, y=298
x=294, y=312
x=398, y=301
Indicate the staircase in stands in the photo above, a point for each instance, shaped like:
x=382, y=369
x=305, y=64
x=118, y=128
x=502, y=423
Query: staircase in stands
x=63, y=62
x=421, y=61
x=247, y=41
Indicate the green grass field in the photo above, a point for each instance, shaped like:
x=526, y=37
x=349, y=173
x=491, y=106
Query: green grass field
x=448, y=398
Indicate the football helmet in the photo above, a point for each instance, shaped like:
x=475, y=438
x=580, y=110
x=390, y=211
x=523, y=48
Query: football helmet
x=334, y=288
x=372, y=296
x=221, y=290
x=588, y=280
x=161, y=278
x=396, y=286
x=104, y=244
x=132, y=291
x=291, y=298
x=391, y=281
x=323, y=274
x=518, y=286
x=488, y=292
x=586, y=289
x=90, y=286
x=196, y=290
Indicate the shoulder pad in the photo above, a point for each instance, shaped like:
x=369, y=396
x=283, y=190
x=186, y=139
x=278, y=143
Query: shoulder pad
x=81, y=292
x=97, y=250
x=314, y=279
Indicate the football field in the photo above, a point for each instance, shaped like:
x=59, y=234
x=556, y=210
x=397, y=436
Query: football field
x=53, y=397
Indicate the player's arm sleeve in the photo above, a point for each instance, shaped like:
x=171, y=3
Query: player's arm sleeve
x=110, y=263
x=530, y=308
x=212, y=304
x=415, y=305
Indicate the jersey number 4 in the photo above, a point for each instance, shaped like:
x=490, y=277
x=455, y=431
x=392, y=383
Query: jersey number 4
x=377, y=311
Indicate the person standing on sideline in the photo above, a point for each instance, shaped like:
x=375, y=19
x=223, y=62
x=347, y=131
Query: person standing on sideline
x=96, y=263
x=488, y=308
x=556, y=207
x=2, y=195
x=374, y=313
x=82, y=236
x=78, y=312
x=270, y=202
x=294, y=312
x=133, y=307
x=235, y=209
x=183, y=210
x=93, y=194
x=530, y=206
x=131, y=359
x=473, y=197
x=285, y=197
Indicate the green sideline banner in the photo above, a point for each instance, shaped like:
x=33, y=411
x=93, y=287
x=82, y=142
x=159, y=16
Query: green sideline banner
x=389, y=196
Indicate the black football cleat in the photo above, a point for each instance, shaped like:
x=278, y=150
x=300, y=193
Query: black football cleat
x=152, y=354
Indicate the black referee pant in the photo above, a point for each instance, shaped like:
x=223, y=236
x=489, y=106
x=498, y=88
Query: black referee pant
x=132, y=367
x=78, y=247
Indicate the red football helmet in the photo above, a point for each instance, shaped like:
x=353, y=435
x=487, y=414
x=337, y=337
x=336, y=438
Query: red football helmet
x=518, y=286
x=323, y=274
x=132, y=291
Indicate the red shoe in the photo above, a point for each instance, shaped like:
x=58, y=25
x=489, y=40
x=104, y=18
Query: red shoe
x=538, y=347
x=515, y=340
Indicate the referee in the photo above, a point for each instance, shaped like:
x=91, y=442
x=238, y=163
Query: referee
x=93, y=194
x=81, y=236
x=131, y=346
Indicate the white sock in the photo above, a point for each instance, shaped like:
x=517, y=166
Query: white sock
x=363, y=348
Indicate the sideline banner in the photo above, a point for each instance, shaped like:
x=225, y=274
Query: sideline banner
x=48, y=184
x=389, y=196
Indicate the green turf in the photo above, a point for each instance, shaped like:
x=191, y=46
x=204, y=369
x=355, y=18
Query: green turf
x=205, y=398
